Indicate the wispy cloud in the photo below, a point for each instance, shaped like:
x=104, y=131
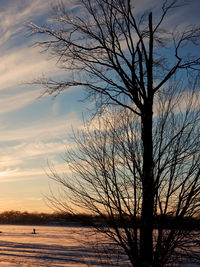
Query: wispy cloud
x=9, y=103
x=17, y=155
x=36, y=143
x=23, y=65
x=18, y=174
x=16, y=13
x=44, y=129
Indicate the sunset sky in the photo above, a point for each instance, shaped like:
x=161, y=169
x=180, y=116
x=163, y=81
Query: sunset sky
x=33, y=130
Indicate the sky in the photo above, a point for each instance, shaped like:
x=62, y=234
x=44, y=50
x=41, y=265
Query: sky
x=34, y=130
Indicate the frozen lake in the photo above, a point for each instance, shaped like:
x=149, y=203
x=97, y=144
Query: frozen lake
x=54, y=246
x=51, y=246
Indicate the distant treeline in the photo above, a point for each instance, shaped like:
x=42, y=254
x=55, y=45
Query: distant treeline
x=18, y=217
x=58, y=218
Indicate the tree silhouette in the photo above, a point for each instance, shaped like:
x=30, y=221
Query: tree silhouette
x=129, y=61
x=106, y=179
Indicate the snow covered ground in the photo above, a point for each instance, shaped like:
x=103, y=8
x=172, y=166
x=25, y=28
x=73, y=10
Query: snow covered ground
x=54, y=246
x=51, y=246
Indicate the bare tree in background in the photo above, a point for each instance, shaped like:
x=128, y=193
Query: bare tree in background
x=128, y=61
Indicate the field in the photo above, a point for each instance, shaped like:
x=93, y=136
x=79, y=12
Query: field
x=54, y=246
x=50, y=246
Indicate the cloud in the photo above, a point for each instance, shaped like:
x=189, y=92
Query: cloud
x=19, y=154
x=15, y=14
x=9, y=103
x=45, y=129
x=23, y=65
x=11, y=175
x=21, y=174
x=36, y=143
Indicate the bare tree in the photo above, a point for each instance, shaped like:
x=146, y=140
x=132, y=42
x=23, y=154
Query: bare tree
x=121, y=60
x=106, y=179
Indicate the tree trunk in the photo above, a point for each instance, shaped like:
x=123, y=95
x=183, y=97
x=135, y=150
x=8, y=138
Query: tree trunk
x=146, y=231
